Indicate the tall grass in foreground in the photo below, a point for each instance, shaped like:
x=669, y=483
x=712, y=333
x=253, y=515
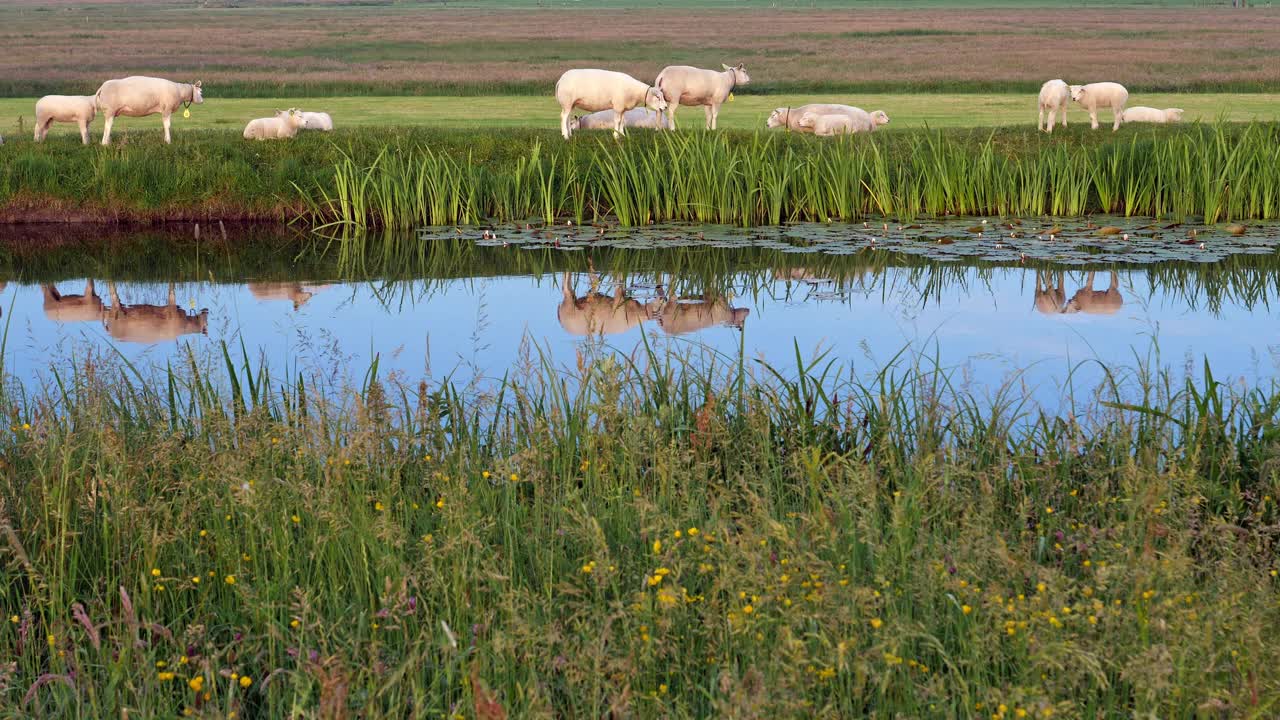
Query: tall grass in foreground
x=649, y=538
x=1207, y=171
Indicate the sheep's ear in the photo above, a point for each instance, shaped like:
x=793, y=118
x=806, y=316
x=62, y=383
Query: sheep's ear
x=726, y=67
x=198, y=83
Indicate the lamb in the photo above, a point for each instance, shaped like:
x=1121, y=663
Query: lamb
x=695, y=86
x=1055, y=95
x=285, y=124
x=1095, y=96
x=635, y=118
x=139, y=96
x=1152, y=115
x=838, y=124
x=78, y=109
x=317, y=121
x=789, y=117
x=604, y=90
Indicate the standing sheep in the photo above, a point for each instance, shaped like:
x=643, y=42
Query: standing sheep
x=604, y=90
x=317, y=121
x=1054, y=98
x=643, y=118
x=140, y=96
x=1152, y=115
x=838, y=124
x=789, y=117
x=78, y=109
x=285, y=124
x=1095, y=96
x=682, y=84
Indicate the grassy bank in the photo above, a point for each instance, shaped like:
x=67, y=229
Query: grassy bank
x=403, y=176
x=660, y=540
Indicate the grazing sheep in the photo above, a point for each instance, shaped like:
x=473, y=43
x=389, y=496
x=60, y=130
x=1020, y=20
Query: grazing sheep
x=139, y=96
x=636, y=118
x=78, y=109
x=1055, y=95
x=839, y=124
x=596, y=313
x=1096, y=302
x=1095, y=96
x=1152, y=115
x=1050, y=299
x=604, y=90
x=789, y=117
x=682, y=84
x=317, y=121
x=285, y=124
x=679, y=318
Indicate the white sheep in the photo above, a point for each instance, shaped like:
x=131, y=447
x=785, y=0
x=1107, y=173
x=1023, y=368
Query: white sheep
x=635, y=118
x=317, y=121
x=1095, y=96
x=789, y=117
x=78, y=109
x=1055, y=95
x=285, y=124
x=604, y=90
x=139, y=96
x=686, y=85
x=1152, y=115
x=842, y=123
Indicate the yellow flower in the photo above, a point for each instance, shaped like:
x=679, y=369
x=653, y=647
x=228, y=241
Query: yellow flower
x=183, y=660
x=52, y=639
x=1093, y=619
x=295, y=519
x=1039, y=587
x=195, y=579
x=748, y=610
x=657, y=546
x=589, y=568
x=1049, y=510
x=204, y=533
x=230, y=579
x=427, y=457
x=161, y=663
x=515, y=477
x=440, y=503
x=876, y=623
x=966, y=609
x=677, y=534
x=244, y=557
x=155, y=572
x=13, y=619
x=165, y=676
x=377, y=505
x=187, y=712
x=693, y=532
x=196, y=683
x=1020, y=712
x=428, y=538
x=485, y=474
x=294, y=624
x=245, y=681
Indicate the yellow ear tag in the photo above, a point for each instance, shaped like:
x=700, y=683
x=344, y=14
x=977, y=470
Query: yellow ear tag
x=730, y=97
x=186, y=112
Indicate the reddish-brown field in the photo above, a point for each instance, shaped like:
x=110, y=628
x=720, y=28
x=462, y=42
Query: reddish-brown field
x=258, y=47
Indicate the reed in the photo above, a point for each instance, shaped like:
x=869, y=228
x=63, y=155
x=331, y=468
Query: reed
x=674, y=534
x=1215, y=172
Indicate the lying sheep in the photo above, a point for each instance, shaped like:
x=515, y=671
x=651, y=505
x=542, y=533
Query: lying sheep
x=636, y=118
x=839, y=124
x=1054, y=98
x=1152, y=115
x=78, y=109
x=604, y=90
x=285, y=124
x=682, y=84
x=317, y=121
x=1095, y=96
x=140, y=96
x=789, y=117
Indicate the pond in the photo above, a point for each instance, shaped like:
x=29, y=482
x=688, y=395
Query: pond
x=997, y=307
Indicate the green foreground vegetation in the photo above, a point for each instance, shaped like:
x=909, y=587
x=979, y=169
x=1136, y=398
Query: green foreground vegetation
x=405, y=177
x=659, y=539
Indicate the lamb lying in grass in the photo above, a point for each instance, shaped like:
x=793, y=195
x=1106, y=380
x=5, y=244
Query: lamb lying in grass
x=1152, y=115
x=284, y=125
x=317, y=121
x=643, y=118
x=78, y=109
x=842, y=123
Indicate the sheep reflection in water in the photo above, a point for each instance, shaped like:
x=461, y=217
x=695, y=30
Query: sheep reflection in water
x=1050, y=296
x=72, y=308
x=598, y=314
x=295, y=292
x=132, y=323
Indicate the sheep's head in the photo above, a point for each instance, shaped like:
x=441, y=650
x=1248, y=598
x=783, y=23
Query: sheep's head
x=197, y=95
x=1173, y=114
x=879, y=117
x=740, y=76
x=294, y=116
x=807, y=120
x=655, y=99
x=1077, y=92
x=575, y=123
x=777, y=118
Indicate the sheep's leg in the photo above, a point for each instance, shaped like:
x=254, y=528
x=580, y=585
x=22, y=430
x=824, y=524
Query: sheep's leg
x=706, y=110
x=165, y=117
x=619, y=122
x=564, y=122
x=1093, y=119
x=671, y=112
x=42, y=129
x=1117, y=113
x=1063, y=112
x=1040, y=120
x=84, y=131
x=715, y=115
x=106, y=131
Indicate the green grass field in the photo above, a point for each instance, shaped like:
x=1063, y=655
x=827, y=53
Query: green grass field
x=745, y=113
